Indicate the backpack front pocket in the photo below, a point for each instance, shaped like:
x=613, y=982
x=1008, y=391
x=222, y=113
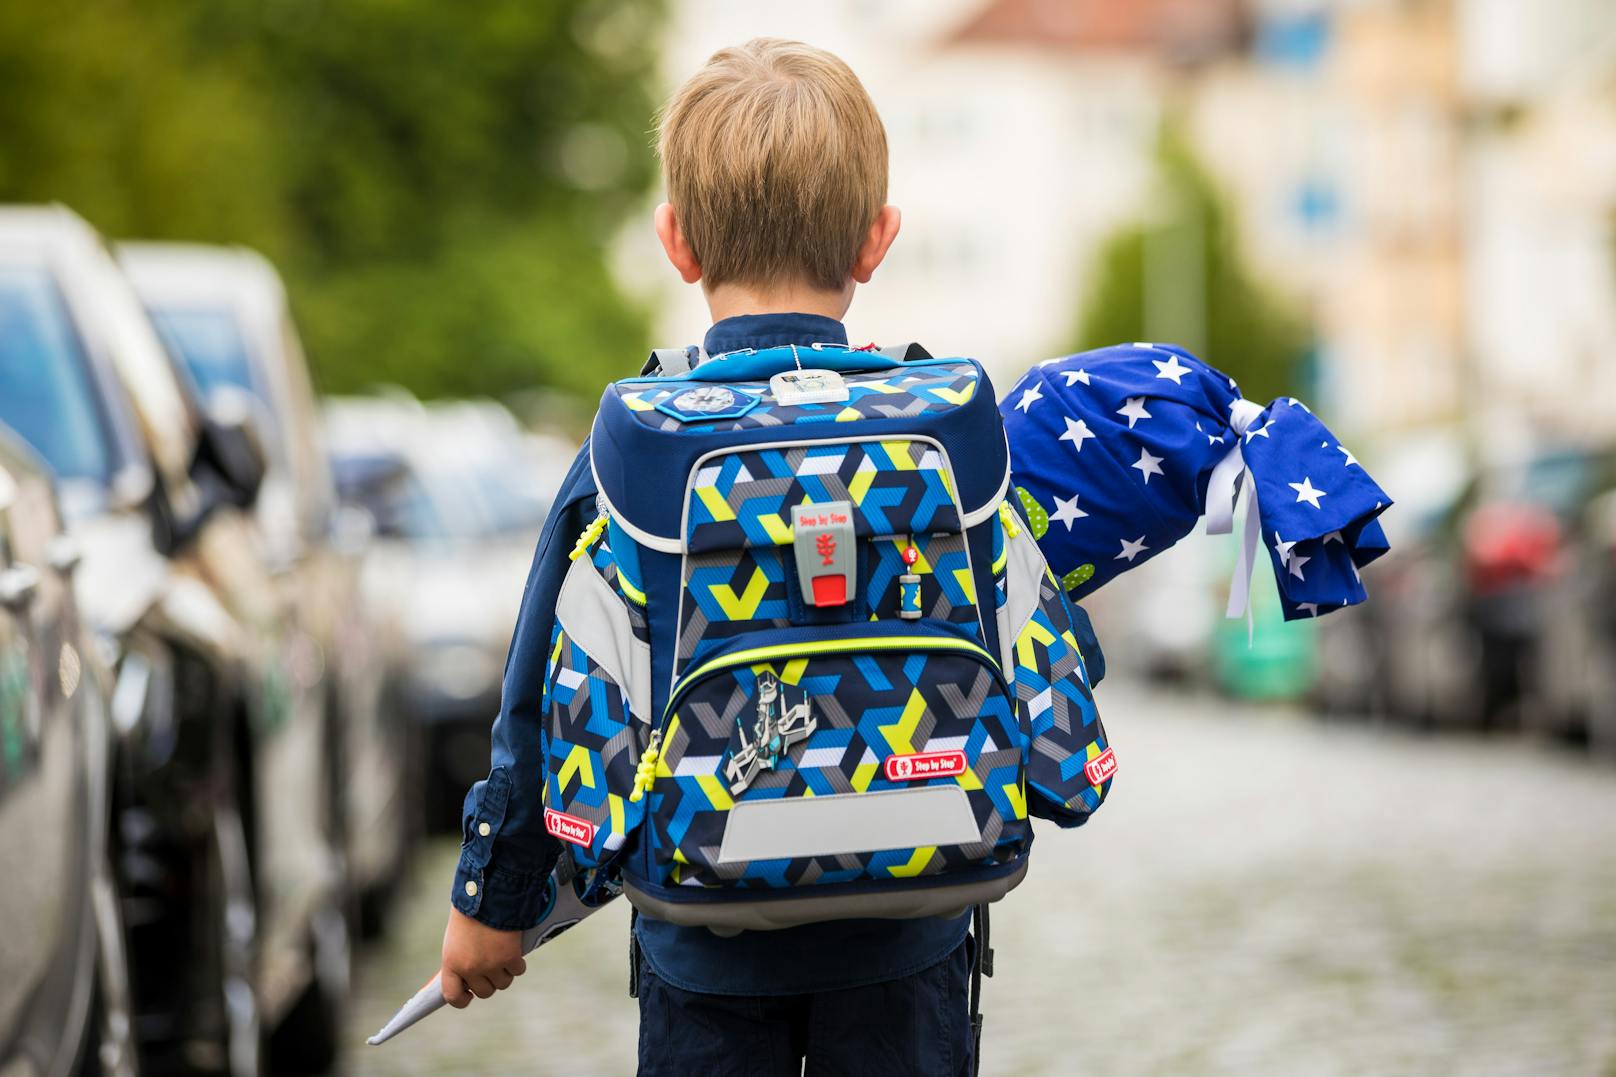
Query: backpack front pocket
x=868, y=752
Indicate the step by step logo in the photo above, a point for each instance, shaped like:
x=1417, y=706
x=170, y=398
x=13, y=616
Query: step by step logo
x=1100, y=768
x=921, y=765
x=569, y=827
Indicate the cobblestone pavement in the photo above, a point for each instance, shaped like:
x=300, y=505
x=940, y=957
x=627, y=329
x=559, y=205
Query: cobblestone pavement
x=1263, y=894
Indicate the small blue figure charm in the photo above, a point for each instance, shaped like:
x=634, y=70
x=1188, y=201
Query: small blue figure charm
x=909, y=586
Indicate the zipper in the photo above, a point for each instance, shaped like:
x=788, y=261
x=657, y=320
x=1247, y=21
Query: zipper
x=645, y=773
x=753, y=655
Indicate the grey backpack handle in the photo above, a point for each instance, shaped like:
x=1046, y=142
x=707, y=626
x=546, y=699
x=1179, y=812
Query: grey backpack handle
x=672, y=362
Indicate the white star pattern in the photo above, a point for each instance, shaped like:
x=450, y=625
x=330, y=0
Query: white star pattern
x=1352, y=461
x=1134, y=409
x=1334, y=536
x=1066, y=511
x=1312, y=608
x=1171, y=369
x=1027, y=397
x=1147, y=464
x=1306, y=491
x=1074, y=376
x=1258, y=432
x=1077, y=431
x=1130, y=550
x=1295, y=562
x=1282, y=548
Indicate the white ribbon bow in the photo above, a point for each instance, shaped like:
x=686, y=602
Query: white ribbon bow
x=1222, y=492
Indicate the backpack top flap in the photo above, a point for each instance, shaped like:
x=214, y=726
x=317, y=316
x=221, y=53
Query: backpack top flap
x=658, y=444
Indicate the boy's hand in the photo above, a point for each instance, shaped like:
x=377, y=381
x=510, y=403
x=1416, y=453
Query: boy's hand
x=477, y=960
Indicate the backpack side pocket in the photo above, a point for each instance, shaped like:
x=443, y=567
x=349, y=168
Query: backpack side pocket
x=597, y=704
x=1069, y=759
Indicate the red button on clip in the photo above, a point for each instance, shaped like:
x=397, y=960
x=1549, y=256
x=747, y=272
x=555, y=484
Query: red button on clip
x=830, y=590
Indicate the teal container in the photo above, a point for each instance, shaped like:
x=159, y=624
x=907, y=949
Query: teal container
x=1278, y=660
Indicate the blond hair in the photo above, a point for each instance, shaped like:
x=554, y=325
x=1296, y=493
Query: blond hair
x=776, y=164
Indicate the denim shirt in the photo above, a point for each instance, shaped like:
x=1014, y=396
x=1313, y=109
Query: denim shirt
x=501, y=874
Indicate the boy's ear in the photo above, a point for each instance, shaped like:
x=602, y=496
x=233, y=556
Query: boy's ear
x=876, y=243
x=675, y=246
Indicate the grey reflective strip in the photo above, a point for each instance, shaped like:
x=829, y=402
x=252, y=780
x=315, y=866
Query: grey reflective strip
x=848, y=823
x=1023, y=584
x=736, y=914
x=592, y=616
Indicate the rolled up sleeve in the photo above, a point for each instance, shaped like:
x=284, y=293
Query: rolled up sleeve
x=505, y=853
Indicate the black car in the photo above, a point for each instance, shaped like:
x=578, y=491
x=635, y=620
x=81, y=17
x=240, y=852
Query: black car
x=224, y=313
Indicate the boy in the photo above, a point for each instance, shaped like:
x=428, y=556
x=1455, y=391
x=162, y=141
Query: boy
x=776, y=169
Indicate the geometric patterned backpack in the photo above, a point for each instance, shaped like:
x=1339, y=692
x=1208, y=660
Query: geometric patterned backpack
x=809, y=662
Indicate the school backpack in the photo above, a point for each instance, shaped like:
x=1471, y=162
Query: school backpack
x=808, y=661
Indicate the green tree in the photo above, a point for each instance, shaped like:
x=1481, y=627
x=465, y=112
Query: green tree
x=438, y=182
x=1179, y=276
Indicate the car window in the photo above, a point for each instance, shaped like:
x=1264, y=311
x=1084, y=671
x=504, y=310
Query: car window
x=210, y=346
x=208, y=341
x=46, y=394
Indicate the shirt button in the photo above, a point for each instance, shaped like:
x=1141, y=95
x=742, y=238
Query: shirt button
x=484, y=829
x=471, y=888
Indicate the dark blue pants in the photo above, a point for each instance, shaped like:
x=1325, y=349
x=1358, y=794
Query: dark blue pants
x=918, y=1026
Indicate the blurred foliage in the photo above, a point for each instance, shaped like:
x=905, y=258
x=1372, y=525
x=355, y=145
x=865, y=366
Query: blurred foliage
x=1243, y=328
x=438, y=182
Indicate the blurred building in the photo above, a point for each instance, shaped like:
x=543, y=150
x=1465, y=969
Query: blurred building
x=1435, y=179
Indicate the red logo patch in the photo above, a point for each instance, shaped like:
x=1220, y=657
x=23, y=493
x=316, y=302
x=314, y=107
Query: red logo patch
x=826, y=545
x=569, y=827
x=922, y=765
x=1101, y=767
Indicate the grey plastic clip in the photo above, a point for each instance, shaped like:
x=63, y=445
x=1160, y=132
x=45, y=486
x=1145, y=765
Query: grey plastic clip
x=825, y=545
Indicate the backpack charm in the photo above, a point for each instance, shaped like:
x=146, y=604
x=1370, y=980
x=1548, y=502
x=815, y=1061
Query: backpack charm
x=778, y=727
x=909, y=586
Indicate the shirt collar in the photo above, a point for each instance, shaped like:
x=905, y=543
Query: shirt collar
x=772, y=331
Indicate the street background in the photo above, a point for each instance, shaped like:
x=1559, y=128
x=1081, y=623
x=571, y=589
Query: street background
x=1339, y=901
x=1379, y=842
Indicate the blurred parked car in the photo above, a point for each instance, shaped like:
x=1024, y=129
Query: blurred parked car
x=458, y=496
x=224, y=313
x=64, y=997
x=1571, y=671
x=1516, y=529
x=225, y=856
x=1599, y=594
x=1410, y=652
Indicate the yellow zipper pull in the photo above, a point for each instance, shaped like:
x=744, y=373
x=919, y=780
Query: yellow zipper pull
x=645, y=773
x=587, y=539
x=1007, y=517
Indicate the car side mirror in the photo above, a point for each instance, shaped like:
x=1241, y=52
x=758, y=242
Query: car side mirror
x=230, y=462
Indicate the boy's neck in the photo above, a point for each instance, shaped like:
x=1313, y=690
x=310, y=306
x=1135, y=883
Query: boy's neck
x=730, y=300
